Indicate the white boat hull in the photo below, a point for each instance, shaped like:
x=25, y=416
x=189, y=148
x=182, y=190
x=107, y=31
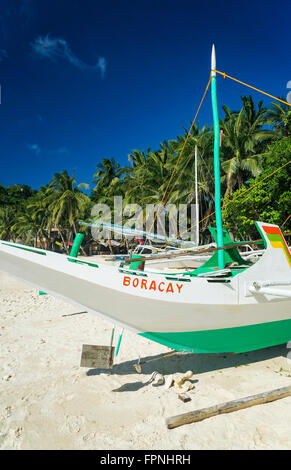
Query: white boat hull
x=154, y=303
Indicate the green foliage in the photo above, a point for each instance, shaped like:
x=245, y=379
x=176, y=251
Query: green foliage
x=243, y=136
x=268, y=201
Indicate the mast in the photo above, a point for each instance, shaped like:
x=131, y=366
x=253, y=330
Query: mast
x=216, y=161
x=196, y=198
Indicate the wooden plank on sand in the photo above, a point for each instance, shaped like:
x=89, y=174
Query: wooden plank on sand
x=98, y=357
x=228, y=407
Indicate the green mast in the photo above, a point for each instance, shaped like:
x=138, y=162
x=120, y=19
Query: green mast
x=216, y=161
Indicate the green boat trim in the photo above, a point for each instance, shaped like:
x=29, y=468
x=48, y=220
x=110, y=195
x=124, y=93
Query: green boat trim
x=78, y=261
x=238, y=339
x=25, y=248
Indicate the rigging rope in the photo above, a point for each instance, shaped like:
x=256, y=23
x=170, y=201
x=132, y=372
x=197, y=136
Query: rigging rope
x=286, y=220
x=179, y=157
x=250, y=86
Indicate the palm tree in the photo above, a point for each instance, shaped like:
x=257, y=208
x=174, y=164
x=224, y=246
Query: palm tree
x=148, y=180
x=243, y=136
x=107, y=171
x=38, y=207
x=182, y=188
x=7, y=221
x=26, y=226
x=137, y=158
x=280, y=117
x=66, y=202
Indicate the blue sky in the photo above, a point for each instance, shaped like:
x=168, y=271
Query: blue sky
x=86, y=80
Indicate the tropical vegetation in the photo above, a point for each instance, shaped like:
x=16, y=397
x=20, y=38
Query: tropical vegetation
x=255, y=143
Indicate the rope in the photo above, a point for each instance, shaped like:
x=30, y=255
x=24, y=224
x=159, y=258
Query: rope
x=286, y=220
x=179, y=157
x=250, y=86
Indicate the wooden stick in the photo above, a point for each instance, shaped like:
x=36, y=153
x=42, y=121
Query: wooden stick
x=228, y=407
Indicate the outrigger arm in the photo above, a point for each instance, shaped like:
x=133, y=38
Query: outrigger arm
x=265, y=288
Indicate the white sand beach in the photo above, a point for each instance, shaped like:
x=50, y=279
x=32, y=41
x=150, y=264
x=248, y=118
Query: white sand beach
x=47, y=401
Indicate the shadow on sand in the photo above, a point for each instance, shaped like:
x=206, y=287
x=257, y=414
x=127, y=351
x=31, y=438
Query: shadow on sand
x=198, y=363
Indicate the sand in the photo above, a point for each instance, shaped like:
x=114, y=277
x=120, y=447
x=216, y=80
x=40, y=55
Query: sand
x=47, y=401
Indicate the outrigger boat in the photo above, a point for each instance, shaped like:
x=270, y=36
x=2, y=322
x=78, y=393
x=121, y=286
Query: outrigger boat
x=228, y=304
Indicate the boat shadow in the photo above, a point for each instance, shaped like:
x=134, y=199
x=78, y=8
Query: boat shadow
x=198, y=363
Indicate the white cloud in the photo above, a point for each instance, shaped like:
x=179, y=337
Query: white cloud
x=102, y=65
x=35, y=148
x=53, y=49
